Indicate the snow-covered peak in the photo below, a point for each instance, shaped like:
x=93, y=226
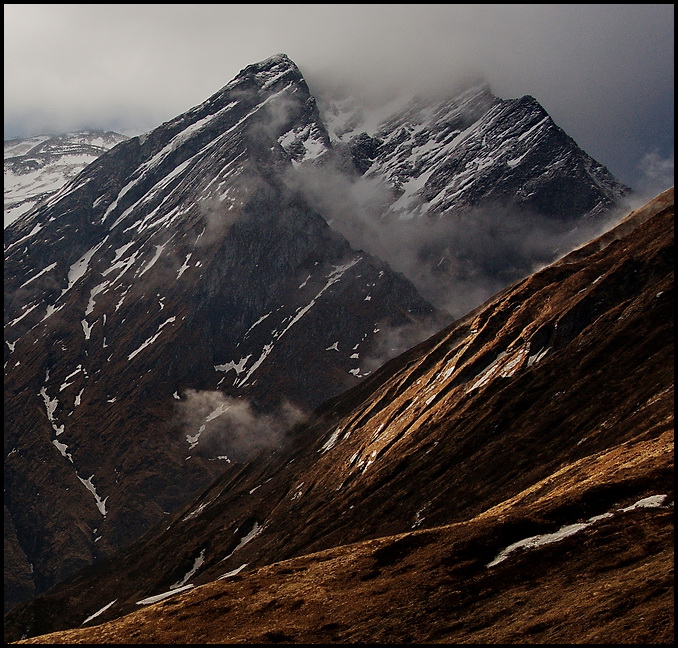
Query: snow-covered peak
x=266, y=74
x=277, y=62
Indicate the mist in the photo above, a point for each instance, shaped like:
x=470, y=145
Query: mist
x=604, y=72
x=456, y=261
x=216, y=425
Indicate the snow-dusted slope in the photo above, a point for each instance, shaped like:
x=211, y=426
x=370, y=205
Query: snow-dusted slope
x=463, y=192
x=169, y=310
x=36, y=167
x=446, y=153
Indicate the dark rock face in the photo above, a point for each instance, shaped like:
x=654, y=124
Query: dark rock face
x=544, y=414
x=175, y=269
x=181, y=291
x=363, y=151
x=472, y=192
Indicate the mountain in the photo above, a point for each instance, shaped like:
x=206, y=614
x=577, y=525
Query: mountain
x=447, y=153
x=37, y=167
x=508, y=480
x=176, y=281
x=195, y=291
x=466, y=191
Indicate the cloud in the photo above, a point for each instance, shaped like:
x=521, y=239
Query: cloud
x=657, y=174
x=456, y=261
x=393, y=341
x=218, y=214
x=220, y=425
x=603, y=72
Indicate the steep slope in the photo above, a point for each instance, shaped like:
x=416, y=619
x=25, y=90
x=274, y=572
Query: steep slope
x=598, y=586
x=184, y=299
x=508, y=480
x=175, y=271
x=37, y=167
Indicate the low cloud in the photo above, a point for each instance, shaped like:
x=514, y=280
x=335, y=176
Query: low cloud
x=219, y=425
x=217, y=215
x=456, y=261
x=392, y=341
x=656, y=174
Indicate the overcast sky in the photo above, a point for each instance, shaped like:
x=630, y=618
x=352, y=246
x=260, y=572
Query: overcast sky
x=604, y=72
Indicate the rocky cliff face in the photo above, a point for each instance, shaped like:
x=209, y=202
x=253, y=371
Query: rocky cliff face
x=507, y=480
x=188, y=296
x=174, y=272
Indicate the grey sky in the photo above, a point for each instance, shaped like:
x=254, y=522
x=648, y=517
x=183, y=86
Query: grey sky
x=604, y=72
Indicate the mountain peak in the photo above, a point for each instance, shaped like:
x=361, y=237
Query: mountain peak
x=235, y=254
x=277, y=62
x=276, y=59
x=267, y=73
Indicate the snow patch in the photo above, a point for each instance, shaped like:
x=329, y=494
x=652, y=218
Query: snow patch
x=101, y=503
x=159, y=597
x=196, y=566
x=185, y=265
x=234, y=572
x=152, y=339
x=101, y=611
x=652, y=501
x=238, y=367
x=87, y=328
x=151, y=263
x=536, y=357
x=330, y=443
x=255, y=531
x=62, y=448
x=79, y=268
x=18, y=319
x=35, y=276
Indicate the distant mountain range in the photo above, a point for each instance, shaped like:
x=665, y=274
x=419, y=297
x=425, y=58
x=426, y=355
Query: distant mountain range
x=36, y=167
x=194, y=292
